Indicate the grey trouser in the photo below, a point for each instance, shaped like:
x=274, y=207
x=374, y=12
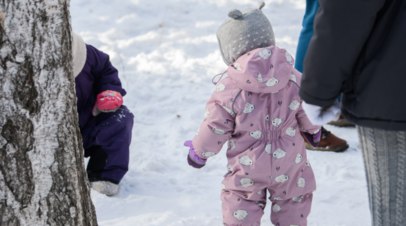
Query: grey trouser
x=384, y=154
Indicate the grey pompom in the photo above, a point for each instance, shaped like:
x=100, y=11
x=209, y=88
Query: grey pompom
x=262, y=5
x=235, y=14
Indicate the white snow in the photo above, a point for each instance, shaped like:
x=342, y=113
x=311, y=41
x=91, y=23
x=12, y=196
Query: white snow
x=167, y=53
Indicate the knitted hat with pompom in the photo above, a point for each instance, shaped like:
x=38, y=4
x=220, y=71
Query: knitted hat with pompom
x=243, y=33
x=79, y=53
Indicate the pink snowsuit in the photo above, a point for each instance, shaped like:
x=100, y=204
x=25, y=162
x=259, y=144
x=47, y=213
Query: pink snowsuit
x=257, y=109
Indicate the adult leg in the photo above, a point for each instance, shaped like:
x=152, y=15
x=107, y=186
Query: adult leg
x=385, y=164
x=109, y=152
x=306, y=33
x=329, y=141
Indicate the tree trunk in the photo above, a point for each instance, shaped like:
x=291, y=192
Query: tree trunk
x=42, y=176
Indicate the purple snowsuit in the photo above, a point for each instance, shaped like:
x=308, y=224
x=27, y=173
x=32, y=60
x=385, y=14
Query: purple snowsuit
x=256, y=108
x=106, y=137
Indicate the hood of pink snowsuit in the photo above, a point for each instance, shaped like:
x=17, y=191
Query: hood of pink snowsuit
x=262, y=70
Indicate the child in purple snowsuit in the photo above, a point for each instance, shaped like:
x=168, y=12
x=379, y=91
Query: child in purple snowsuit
x=257, y=110
x=105, y=123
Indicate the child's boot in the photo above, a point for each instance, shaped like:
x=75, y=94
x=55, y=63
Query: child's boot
x=342, y=122
x=329, y=142
x=105, y=187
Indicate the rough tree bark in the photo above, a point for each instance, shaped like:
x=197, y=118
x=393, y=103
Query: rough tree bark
x=42, y=176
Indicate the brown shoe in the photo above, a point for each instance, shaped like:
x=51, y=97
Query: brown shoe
x=342, y=122
x=329, y=142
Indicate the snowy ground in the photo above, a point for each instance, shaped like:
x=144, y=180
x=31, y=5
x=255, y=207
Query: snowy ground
x=167, y=53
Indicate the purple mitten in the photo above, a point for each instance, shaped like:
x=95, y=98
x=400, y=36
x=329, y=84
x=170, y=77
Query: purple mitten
x=312, y=139
x=193, y=159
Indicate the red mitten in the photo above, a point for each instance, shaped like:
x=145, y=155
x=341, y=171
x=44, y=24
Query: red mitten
x=107, y=101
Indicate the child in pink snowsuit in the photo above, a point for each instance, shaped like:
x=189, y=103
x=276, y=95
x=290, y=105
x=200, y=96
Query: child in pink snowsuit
x=257, y=110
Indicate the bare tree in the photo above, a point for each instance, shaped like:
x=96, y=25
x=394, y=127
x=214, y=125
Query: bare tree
x=42, y=176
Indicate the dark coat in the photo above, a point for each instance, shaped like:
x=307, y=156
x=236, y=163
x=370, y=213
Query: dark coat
x=106, y=137
x=97, y=75
x=358, y=50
